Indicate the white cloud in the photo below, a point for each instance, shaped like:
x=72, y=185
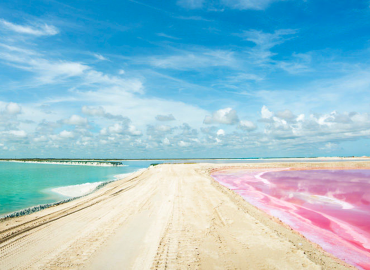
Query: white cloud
x=93, y=111
x=242, y=77
x=66, y=134
x=220, y=132
x=139, y=109
x=134, y=131
x=36, y=30
x=163, y=128
x=261, y=54
x=183, y=144
x=225, y=116
x=120, y=129
x=166, y=141
x=17, y=133
x=100, y=57
x=121, y=84
x=116, y=128
x=41, y=139
x=100, y=112
x=330, y=127
x=329, y=146
x=121, y=72
x=76, y=120
x=268, y=40
x=50, y=71
x=247, y=125
x=195, y=60
x=266, y=113
x=286, y=115
x=47, y=71
x=13, y=108
x=167, y=36
x=300, y=63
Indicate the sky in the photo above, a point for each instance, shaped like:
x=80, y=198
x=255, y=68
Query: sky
x=184, y=78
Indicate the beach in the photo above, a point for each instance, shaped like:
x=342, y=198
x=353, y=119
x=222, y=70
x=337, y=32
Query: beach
x=173, y=216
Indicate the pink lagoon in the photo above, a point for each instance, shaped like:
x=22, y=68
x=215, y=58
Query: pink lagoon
x=328, y=207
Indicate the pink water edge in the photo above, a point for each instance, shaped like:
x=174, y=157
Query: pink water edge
x=328, y=207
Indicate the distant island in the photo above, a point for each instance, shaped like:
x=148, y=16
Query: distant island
x=69, y=162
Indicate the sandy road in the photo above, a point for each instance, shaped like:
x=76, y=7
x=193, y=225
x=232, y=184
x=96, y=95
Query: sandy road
x=169, y=216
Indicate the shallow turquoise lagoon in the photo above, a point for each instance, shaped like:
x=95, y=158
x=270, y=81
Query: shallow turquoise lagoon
x=24, y=185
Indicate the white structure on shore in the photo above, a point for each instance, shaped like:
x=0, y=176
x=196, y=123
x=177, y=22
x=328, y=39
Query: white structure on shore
x=74, y=162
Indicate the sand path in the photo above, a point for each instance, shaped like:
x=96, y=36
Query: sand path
x=169, y=216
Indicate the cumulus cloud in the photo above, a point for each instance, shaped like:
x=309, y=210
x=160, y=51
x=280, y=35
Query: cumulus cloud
x=36, y=30
x=168, y=117
x=220, y=132
x=134, y=131
x=183, y=144
x=66, y=134
x=225, y=116
x=330, y=127
x=159, y=132
x=13, y=108
x=93, y=111
x=163, y=128
x=122, y=128
x=286, y=115
x=166, y=141
x=116, y=128
x=76, y=120
x=330, y=146
x=16, y=133
x=41, y=139
x=266, y=114
x=247, y=125
x=100, y=112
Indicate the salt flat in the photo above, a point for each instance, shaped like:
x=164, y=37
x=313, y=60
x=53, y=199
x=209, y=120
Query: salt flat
x=171, y=216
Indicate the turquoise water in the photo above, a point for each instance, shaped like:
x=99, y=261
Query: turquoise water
x=24, y=185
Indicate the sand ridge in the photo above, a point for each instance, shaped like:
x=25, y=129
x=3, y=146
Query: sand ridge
x=171, y=216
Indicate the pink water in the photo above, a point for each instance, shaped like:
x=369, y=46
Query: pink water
x=329, y=207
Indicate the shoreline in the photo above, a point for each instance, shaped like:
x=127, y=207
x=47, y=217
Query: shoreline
x=40, y=207
x=76, y=163
x=169, y=215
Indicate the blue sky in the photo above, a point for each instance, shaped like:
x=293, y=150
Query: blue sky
x=186, y=78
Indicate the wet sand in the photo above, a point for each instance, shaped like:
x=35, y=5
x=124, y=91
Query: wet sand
x=168, y=216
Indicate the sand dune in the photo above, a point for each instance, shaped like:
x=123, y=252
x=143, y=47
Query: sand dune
x=168, y=216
